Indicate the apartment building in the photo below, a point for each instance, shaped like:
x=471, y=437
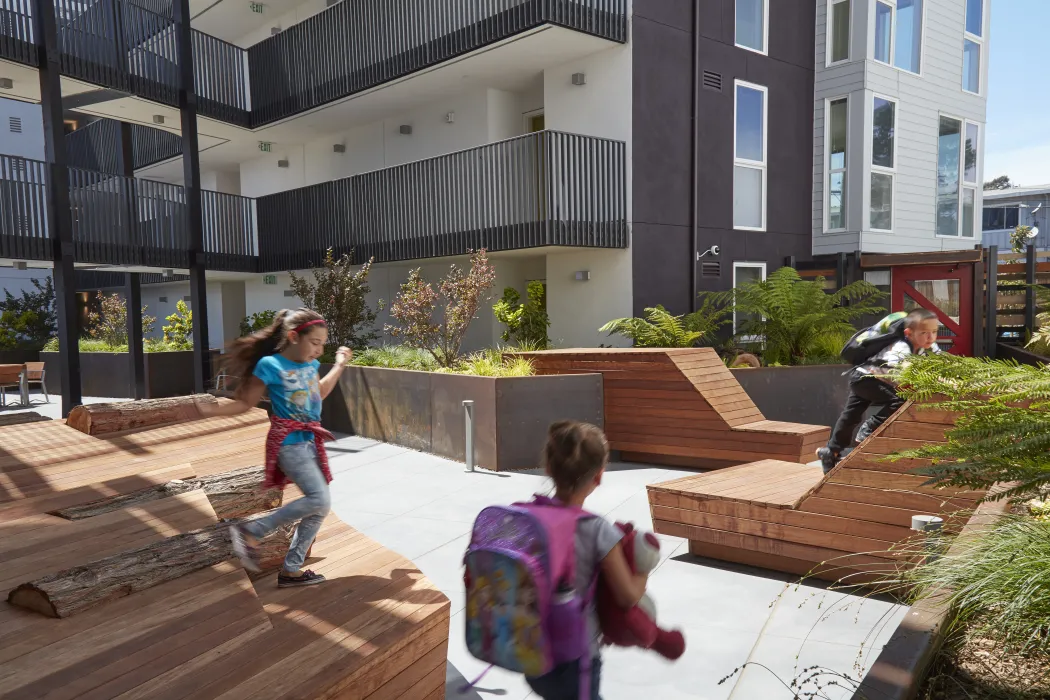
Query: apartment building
x=626, y=152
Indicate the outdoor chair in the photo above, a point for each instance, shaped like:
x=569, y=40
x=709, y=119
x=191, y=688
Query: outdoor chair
x=35, y=374
x=10, y=378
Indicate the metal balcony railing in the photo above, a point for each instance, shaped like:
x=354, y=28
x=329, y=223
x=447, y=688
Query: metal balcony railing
x=96, y=146
x=543, y=189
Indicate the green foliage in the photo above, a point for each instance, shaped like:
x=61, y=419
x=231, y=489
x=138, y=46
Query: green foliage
x=28, y=321
x=257, y=322
x=179, y=331
x=485, y=363
x=108, y=322
x=93, y=345
x=415, y=309
x=526, y=323
x=1002, y=434
x=1040, y=340
x=1020, y=237
x=396, y=357
x=339, y=293
x=797, y=321
x=1000, y=183
x=661, y=329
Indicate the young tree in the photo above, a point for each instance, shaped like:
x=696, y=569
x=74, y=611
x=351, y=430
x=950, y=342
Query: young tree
x=110, y=322
x=526, y=323
x=415, y=306
x=339, y=293
x=179, y=331
x=30, y=320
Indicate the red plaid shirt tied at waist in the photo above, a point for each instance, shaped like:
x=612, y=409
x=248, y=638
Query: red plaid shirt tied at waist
x=280, y=428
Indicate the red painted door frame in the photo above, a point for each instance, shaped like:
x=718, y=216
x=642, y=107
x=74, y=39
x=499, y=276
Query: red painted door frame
x=962, y=341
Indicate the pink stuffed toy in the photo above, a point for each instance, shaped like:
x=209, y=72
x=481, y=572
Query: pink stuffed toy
x=637, y=626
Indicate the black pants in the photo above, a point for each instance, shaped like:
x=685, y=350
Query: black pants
x=863, y=393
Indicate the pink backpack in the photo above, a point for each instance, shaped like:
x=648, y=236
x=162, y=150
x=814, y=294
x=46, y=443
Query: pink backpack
x=524, y=613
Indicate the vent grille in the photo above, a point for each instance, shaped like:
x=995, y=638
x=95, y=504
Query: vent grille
x=15, y=124
x=163, y=300
x=187, y=298
x=712, y=81
x=18, y=165
x=289, y=293
x=711, y=269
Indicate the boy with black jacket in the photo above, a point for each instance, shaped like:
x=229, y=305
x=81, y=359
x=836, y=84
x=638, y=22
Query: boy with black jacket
x=870, y=385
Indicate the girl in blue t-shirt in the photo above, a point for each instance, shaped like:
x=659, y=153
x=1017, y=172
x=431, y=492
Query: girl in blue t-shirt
x=282, y=361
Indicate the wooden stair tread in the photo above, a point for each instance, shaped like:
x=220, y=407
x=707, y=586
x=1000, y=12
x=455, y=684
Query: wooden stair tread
x=778, y=427
x=770, y=482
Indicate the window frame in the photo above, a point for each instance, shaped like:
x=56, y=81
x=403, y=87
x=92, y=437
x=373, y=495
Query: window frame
x=981, y=47
x=1004, y=207
x=881, y=169
x=827, y=165
x=762, y=166
x=738, y=264
x=978, y=200
x=765, y=29
x=830, y=35
x=892, y=4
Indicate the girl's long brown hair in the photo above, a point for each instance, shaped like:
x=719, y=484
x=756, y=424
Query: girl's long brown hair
x=245, y=353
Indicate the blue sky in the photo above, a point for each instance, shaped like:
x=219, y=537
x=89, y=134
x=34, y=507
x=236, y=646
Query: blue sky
x=1018, y=139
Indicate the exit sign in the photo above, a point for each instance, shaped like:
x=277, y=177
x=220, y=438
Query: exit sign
x=265, y=146
x=256, y=7
x=270, y=279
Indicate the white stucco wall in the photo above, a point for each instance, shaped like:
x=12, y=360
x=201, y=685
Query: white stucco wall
x=221, y=181
x=578, y=309
x=175, y=291
x=29, y=143
x=17, y=281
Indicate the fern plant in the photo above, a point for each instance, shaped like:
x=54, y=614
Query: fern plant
x=661, y=329
x=1002, y=433
x=794, y=318
x=1040, y=340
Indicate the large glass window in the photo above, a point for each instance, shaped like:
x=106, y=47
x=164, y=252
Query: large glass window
x=840, y=30
x=837, y=137
x=972, y=149
x=898, y=33
x=975, y=17
x=749, y=157
x=1000, y=218
x=883, y=158
x=949, y=145
x=751, y=20
x=973, y=46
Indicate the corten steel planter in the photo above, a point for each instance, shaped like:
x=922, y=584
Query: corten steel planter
x=424, y=411
x=108, y=374
x=18, y=357
x=808, y=394
x=1019, y=354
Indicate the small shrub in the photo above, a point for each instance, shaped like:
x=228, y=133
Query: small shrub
x=179, y=331
x=93, y=345
x=30, y=320
x=396, y=357
x=415, y=308
x=109, y=321
x=526, y=323
x=257, y=322
x=339, y=293
x=493, y=363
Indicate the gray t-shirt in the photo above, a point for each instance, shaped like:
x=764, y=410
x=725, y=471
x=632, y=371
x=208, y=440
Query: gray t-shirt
x=595, y=538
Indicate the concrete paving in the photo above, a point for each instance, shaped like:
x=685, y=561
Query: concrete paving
x=423, y=506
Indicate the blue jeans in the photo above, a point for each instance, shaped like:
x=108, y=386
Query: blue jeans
x=563, y=683
x=299, y=463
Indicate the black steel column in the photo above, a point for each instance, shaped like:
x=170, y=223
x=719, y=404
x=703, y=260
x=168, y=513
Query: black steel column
x=59, y=214
x=132, y=282
x=191, y=172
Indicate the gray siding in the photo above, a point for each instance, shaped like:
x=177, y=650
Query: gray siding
x=921, y=100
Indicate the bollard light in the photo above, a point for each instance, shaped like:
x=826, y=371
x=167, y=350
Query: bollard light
x=468, y=417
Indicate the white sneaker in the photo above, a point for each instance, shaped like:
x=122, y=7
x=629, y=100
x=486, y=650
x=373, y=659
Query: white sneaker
x=243, y=551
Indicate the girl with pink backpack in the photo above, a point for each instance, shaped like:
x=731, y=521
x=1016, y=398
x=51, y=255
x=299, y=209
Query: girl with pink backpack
x=531, y=570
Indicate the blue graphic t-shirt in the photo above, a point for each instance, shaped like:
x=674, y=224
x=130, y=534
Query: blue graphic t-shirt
x=295, y=391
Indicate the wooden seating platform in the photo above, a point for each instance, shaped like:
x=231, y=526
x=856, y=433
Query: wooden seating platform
x=791, y=518
x=682, y=407
x=376, y=630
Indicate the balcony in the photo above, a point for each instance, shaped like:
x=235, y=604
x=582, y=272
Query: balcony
x=349, y=48
x=547, y=189
x=96, y=146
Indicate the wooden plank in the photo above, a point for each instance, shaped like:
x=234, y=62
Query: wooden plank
x=677, y=460
x=919, y=502
x=913, y=430
x=890, y=483
x=863, y=512
x=889, y=446
x=761, y=560
x=728, y=455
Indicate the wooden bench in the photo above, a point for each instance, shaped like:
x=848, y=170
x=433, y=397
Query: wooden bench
x=376, y=630
x=682, y=407
x=791, y=518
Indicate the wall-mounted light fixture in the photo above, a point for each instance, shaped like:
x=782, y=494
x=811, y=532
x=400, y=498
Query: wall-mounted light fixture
x=583, y=276
x=283, y=163
x=713, y=250
x=168, y=274
x=339, y=148
x=158, y=118
x=6, y=83
x=579, y=78
x=450, y=118
x=405, y=129
x=274, y=31
x=19, y=265
x=289, y=293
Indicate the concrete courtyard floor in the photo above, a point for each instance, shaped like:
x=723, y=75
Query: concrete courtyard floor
x=423, y=506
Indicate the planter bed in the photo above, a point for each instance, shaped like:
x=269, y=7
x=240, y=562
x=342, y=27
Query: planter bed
x=108, y=374
x=1019, y=354
x=19, y=356
x=806, y=394
x=424, y=411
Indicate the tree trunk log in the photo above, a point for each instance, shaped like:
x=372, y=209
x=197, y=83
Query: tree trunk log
x=232, y=494
x=80, y=588
x=20, y=418
x=103, y=418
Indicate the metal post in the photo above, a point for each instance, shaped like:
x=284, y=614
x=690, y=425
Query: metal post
x=191, y=176
x=59, y=213
x=930, y=526
x=1029, y=290
x=991, y=273
x=133, y=294
x=468, y=416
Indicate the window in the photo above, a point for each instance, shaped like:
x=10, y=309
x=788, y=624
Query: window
x=1000, y=218
x=957, y=167
x=749, y=163
x=837, y=136
x=839, y=27
x=15, y=125
x=975, y=17
x=744, y=273
x=883, y=160
x=752, y=24
x=972, y=46
x=898, y=33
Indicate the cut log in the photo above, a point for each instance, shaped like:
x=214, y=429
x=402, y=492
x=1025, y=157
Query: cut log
x=232, y=494
x=103, y=418
x=20, y=418
x=80, y=588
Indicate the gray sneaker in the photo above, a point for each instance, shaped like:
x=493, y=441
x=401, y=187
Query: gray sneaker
x=828, y=459
x=243, y=551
